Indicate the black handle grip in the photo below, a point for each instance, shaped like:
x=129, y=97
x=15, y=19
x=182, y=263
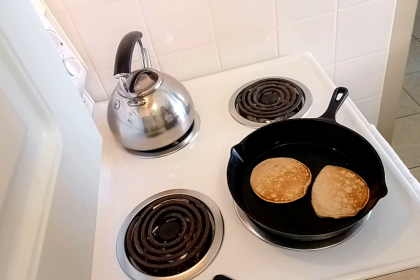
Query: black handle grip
x=122, y=65
x=335, y=103
x=221, y=277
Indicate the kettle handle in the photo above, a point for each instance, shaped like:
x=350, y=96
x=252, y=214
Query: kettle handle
x=122, y=67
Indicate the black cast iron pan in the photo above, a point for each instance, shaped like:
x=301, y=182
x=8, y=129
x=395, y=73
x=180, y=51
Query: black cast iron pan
x=316, y=143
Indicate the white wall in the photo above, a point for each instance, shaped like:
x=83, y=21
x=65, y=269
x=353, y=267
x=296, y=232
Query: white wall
x=193, y=38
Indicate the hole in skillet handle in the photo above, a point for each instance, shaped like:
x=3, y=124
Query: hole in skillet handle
x=339, y=96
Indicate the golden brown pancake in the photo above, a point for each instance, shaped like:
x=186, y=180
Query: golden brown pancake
x=338, y=192
x=280, y=180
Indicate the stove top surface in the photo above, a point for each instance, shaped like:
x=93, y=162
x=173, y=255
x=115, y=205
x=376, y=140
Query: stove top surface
x=387, y=242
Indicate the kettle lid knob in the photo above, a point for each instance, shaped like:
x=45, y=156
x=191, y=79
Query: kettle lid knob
x=146, y=81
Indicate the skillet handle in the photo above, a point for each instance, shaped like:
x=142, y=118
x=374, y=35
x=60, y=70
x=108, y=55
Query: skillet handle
x=335, y=103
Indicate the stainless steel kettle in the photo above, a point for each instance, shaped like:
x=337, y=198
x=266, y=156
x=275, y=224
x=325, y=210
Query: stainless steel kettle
x=148, y=109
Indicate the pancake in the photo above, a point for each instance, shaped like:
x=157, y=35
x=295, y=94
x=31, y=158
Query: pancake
x=280, y=180
x=338, y=192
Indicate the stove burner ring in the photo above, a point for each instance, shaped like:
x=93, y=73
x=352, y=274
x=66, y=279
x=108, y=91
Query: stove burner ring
x=170, y=236
x=270, y=99
x=165, y=231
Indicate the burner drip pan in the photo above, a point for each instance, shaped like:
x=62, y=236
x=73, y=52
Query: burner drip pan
x=295, y=244
x=172, y=235
x=267, y=100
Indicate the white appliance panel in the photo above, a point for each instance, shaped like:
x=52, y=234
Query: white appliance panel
x=50, y=157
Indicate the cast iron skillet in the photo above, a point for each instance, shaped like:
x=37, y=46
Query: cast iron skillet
x=316, y=143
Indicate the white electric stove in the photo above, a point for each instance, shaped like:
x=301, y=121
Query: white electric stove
x=388, y=241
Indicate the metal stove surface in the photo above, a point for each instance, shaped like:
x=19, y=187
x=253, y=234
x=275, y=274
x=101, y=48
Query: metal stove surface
x=388, y=242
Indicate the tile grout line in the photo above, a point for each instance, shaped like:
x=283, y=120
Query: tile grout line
x=276, y=29
x=407, y=116
x=275, y=12
x=219, y=60
x=247, y=34
x=80, y=39
x=192, y=48
x=85, y=50
x=406, y=74
x=83, y=7
x=322, y=14
x=355, y=5
x=361, y=56
x=65, y=6
x=172, y=53
x=410, y=96
x=354, y=101
x=308, y=18
x=209, y=44
x=146, y=26
x=189, y=49
x=336, y=10
x=414, y=167
x=418, y=40
x=335, y=40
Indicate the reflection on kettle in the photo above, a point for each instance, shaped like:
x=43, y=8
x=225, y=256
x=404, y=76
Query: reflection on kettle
x=156, y=124
x=148, y=109
x=170, y=119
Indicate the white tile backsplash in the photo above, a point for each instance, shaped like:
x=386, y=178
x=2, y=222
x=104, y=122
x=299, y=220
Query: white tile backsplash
x=66, y=24
x=295, y=10
x=370, y=108
x=363, y=76
x=234, y=18
x=193, y=38
x=248, y=49
x=155, y=63
x=364, y=29
x=316, y=35
x=107, y=79
x=56, y=6
x=329, y=70
x=94, y=86
x=77, y=4
x=347, y=3
x=178, y=27
x=192, y=63
x=102, y=27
